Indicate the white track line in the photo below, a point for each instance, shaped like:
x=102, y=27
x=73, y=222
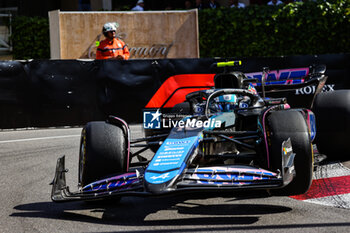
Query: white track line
x=43, y=138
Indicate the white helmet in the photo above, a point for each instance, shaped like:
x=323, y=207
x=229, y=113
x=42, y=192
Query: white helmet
x=108, y=27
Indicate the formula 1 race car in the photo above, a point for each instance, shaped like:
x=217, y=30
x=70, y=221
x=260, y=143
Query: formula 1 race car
x=231, y=139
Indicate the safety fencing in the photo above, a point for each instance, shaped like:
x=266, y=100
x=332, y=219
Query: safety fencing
x=42, y=93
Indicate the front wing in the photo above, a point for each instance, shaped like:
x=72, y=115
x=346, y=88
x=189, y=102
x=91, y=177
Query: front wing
x=217, y=178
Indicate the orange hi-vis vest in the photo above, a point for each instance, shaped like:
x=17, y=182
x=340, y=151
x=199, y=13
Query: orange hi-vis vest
x=111, y=49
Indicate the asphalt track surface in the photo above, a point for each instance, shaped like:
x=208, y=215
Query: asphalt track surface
x=27, y=163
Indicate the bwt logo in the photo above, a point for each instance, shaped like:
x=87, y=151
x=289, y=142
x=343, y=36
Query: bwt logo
x=151, y=119
x=282, y=76
x=178, y=142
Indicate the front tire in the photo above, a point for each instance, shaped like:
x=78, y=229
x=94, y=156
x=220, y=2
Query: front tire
x=291, y=124
x=103, y=152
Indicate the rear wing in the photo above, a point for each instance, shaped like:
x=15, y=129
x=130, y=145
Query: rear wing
x=278, y=84
x=295, y=79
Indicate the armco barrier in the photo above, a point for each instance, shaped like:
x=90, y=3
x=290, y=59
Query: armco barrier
x=43, y=93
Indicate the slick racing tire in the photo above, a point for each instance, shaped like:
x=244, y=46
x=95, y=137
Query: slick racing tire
x=103, y=152
x=281, y=126
x=332, y=111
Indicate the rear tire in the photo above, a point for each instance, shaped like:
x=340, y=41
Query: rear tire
x=291, y=124
x=103, y=152
x=332, y=111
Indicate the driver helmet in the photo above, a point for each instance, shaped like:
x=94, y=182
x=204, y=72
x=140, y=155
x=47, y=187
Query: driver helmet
x=225, y=103
x=109, y=27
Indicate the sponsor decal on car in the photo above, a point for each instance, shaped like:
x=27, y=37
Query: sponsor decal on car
x=309, y=90
x=170, y=159
x=163, y=176
x=178, y=142
x=286, y=76
x=172, y=153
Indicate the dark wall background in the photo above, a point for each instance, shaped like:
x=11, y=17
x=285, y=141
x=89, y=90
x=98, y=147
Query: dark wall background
x=41, y=93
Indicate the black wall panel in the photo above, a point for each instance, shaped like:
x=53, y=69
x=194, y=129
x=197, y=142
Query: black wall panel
x=41, y=93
